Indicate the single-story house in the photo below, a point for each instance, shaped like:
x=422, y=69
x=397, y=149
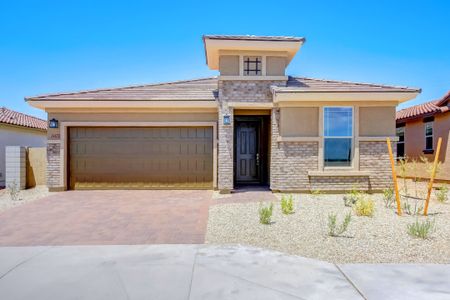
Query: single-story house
x=418, y=129
x=18, y=129
x=252, y=124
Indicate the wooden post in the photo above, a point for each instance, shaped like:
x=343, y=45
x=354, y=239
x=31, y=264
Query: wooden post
x=394, y=177
x=433, y=174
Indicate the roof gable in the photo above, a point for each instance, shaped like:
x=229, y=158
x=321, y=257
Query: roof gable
x=424, y=109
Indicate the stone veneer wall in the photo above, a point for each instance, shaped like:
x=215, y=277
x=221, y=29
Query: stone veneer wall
x=374, y=157
x=340, y=183
x=290, y=161
x=257, y=91
x=53, y=166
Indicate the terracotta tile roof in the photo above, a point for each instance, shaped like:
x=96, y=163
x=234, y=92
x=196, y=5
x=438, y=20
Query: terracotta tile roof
x=255, y=38
x=305, y=84
x=197, y=89
x=8, y=116
x=207, y=89
x=424, y=109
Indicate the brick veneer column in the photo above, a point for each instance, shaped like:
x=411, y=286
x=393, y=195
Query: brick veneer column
x=15, y=166
x=53, y=166
x=225, y=147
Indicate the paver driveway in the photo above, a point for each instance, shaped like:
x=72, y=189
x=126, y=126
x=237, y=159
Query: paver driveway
x=108, y=218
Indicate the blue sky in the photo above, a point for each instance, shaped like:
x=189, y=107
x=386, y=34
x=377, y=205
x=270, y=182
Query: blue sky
x=53, y=46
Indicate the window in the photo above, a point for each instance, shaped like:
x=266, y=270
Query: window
x=338, y=136
x=252, y=65
x=401, y=142
x=429, y=136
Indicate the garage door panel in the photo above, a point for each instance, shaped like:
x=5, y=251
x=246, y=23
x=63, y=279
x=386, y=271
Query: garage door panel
x=162, y=157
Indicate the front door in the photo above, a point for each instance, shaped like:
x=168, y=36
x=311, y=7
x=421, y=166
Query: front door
x=247, y=152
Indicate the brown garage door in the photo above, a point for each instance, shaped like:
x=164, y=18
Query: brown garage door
x=140, y=158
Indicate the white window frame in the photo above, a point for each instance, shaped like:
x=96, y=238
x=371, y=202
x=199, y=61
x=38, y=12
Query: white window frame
x=352, y=137
x=429, y=123
x=401, y=142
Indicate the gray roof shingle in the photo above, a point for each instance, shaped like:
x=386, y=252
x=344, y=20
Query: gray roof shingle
x=206, y=89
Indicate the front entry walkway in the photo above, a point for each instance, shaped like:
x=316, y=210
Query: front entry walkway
x=204, y=272
x=108, y=218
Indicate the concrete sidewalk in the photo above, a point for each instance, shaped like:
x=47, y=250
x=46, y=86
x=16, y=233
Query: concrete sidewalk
x=204, y=272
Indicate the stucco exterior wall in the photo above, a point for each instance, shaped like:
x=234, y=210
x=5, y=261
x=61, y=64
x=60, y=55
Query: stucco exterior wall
x=229, y=65
x=18, y=136
x=299, y=121
x=276, y=65
x=377, y=121
x=415, y=143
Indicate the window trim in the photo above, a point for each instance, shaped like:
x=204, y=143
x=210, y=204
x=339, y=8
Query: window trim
x=427, y=136
x=352, y=137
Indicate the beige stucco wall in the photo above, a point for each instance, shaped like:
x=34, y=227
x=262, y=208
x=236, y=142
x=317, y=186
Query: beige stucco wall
x=377, y=121
x=18, y=136
x=299, y=121
x=275, y=65
x=229, y=65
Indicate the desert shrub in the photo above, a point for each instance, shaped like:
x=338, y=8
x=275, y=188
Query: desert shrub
x=353, y=196
x=333, y=228
x=364, y=207
x=287, y=204
x=414, y=209
x=442, y=194
x=388, y=197
x=421, y=229
x=13, y=191
x=265, y=214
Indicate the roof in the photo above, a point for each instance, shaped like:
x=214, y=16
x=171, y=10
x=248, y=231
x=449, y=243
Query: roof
x=11, y=117
x=255, y=38
x=197, y=89
x=207, y=89
x=424, y=110
x=305, y=84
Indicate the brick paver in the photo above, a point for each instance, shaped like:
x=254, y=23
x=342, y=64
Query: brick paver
x=107, y=218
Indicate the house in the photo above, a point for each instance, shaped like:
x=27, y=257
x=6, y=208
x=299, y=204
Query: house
x=418, y=129
x=252, y=124
x=18, y=129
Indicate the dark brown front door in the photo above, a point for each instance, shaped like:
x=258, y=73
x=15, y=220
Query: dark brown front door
x=247, y=152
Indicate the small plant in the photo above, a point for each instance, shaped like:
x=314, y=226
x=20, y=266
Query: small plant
x=388, y=197
x=442, y=194
x=287, y=204
x=421, y=229
x=316, y=194
x=265, y=214
x=14, y=191
x=333, y=228
x=351, y=198
x=412, y=210
x=364, y=207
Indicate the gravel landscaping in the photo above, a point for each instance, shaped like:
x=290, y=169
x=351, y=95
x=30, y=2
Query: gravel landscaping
x=382, y=238
x=25, y=196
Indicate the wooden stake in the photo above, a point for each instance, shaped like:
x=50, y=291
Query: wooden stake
x=394, y=177
x=433, y=174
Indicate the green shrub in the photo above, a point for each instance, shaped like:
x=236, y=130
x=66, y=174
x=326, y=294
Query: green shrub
x=364, y=207
x=412, y=210
x=287, y=204
x=442, y=194
x=351, y=198
x=333, y=228
x=421, y=229
x=388, y=197
x=265, y=214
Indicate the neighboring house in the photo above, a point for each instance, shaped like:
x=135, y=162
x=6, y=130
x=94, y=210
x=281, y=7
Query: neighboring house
x=252, y=124
x=419, y=128
x=18, y=129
